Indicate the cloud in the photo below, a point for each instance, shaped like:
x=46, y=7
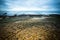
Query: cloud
x=30, y=5
x=3, y=6
x=31, y=13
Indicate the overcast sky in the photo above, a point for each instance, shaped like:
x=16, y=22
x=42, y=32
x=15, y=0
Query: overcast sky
x=23, y=5
x=30, y=5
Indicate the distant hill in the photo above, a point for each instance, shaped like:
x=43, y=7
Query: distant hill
x=54, y=15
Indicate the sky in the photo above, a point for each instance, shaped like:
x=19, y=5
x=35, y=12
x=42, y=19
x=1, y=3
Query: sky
x=30, y=5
